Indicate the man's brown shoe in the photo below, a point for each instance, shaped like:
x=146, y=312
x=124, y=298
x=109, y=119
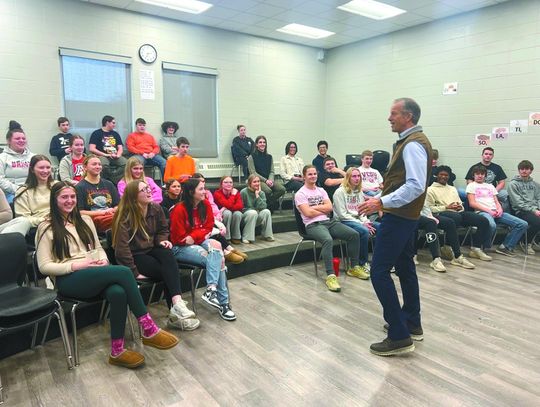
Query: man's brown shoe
x=128, y=358
x=162, y=340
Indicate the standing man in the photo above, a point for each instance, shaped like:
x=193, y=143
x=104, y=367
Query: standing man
x=242, y=147
x=401, y=201
x=143, y=145
x=107, y=145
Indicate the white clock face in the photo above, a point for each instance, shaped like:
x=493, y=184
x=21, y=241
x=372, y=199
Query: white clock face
x=148, y=53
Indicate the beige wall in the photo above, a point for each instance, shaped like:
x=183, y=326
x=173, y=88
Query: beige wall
x=273, y=87
x=494, y=55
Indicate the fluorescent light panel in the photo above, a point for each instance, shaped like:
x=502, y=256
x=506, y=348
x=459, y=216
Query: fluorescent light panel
x=305, y=31
x=371, y=9
x=187, y=6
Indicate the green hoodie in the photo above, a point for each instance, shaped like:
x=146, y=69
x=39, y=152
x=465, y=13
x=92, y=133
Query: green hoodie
x=524, y=194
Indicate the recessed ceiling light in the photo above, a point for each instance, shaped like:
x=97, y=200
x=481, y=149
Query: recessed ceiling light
x=371, y=9
x=187, y=6
x=305, y=31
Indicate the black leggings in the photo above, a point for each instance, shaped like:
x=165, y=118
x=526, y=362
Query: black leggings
x=221, y=239
x=160, y=264
x=534, y=224
x=432, y=237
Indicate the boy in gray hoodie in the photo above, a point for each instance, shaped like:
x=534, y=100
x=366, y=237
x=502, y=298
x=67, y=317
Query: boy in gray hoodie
x=524, y=194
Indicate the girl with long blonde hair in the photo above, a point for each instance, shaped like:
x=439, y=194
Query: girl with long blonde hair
x=135, y=171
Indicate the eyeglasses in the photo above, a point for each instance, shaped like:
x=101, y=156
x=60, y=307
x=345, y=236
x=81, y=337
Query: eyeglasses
x=146, y=190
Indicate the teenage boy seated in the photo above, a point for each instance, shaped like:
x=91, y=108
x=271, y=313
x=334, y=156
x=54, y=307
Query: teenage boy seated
x=59, y=146
x=443, y=201
x=483, y=198
x=372, y=180
x=331, y=177
x=143, y=145
x=180, y=166
x=106, y=144
x=495, y=175
x=314, y=206
x=524, y=194
x=318, y=161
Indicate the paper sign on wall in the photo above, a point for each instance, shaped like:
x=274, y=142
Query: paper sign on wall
x=146, y=78
x=534, y=119
x=482, y=139
x=450, y=88
x=499, y=133
x=519, y=126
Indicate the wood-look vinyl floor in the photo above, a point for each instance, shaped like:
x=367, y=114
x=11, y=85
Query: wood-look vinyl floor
x=297, y=344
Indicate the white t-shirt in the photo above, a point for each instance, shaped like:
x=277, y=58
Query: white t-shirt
x=483, y=193
x=371, y=178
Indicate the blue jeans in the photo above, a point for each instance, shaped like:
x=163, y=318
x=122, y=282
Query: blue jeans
x=157, y=161
x=204, y=255
x=517, y=228
x=394, y=246
x=363, y=232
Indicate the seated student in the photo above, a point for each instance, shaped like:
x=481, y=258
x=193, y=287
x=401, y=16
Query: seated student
x=331, y=178
x=291, y=168
x=315, y=207
x=372, y=180
x=495, y=175
x=180, y=166
x=14, y=161
x=32, y=199
x=143, y=146
x=346, y=200
x=106, y=144
x=191, y=223
x=255, y=211
x=71, y=166
x=483, y=199
x=171, y=195
x=443, y=201
x=69, y=251
x=429, y=224
x=7, y=223
x=167, y=142
x=318, y=161
x=261, y=164
x=96, y=197
x=434, y=169
x=524, y=196
x=140, y=237
x=135, y=171
x=242, y=147
x=59, y=146
x=229, y=200
x=218, y=233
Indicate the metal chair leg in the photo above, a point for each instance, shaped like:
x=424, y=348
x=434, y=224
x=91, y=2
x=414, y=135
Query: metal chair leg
x=64, y=334
x=295, y=251
x=46, y=331
x=1, y=391
x=315, y=258
x=74, y=333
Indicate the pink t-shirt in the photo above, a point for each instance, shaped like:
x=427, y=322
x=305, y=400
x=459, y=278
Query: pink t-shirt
x=483, y=193
x=312, y=197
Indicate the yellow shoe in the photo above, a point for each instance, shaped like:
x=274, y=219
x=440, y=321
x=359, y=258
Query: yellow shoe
x=332, y=283
x=358, y=272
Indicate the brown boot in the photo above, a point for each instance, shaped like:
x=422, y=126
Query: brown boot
x=128, y=358
x=161, y=340
x=240, y=253
x=233, y=258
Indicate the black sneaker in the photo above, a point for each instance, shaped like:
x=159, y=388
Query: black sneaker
x=388, y=347
x=505, y=251
x=417, y=334
x=227, y=313
x=210, y=297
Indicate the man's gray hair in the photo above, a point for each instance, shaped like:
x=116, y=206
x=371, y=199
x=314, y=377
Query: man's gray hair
x=409, y=105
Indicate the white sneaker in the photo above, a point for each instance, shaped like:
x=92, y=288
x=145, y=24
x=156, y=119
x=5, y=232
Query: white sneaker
x=188, y=324
x=462, y=262
x=437, y=265
x=477, y=253
x=415, y=259
x=528, y=249
x=367, y=267
x=182, y=311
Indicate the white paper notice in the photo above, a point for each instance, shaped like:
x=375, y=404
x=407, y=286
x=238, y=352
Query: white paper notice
x=146, y=78
x=499, y=133
x=450, y=88
x=482, y=139
x=519, y=126
x=534, y=119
